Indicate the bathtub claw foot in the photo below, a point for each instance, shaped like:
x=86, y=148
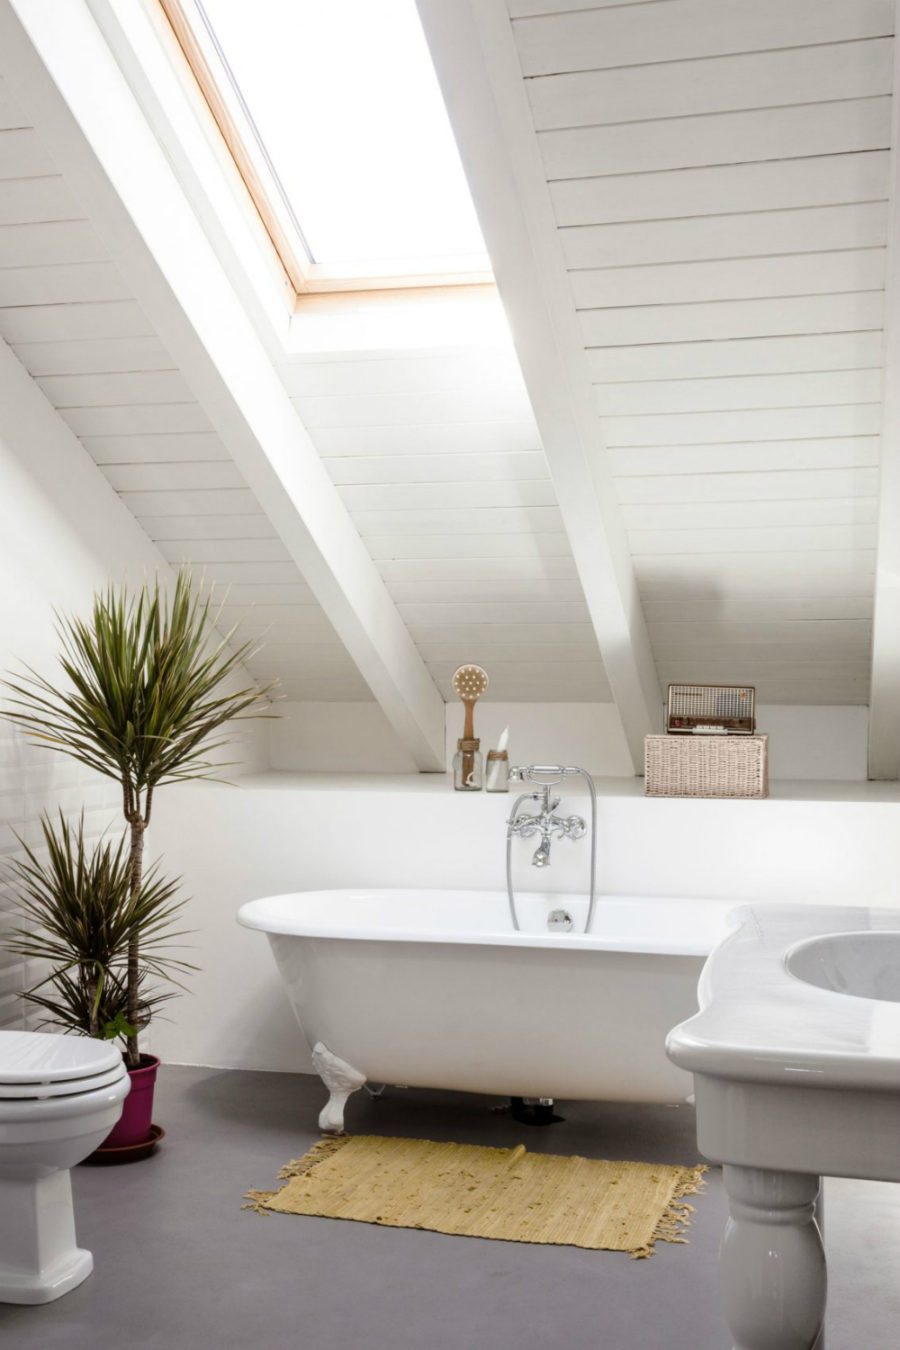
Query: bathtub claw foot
x=342, y=1080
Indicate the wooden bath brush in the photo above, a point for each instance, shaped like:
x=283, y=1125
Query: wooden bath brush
x=469, y=682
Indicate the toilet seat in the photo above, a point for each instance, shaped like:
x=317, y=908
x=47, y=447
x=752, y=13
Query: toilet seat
x=37, y=1065
x=41, y=1091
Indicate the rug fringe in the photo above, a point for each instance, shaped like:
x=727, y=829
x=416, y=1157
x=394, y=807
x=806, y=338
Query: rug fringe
x=297, y=1167
x=676, y=1218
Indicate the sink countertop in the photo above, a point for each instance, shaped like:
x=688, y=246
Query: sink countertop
x=759, y=1023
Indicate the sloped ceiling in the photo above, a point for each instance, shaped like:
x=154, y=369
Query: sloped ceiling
x=435, y=453
x=718, y=175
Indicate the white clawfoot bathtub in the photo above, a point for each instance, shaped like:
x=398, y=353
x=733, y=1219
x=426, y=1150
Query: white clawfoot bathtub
x=436, y=989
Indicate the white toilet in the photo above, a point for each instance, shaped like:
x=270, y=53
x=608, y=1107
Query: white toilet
x=59, y=1098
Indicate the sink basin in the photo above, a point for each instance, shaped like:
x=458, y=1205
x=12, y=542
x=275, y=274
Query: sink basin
x=866, y=965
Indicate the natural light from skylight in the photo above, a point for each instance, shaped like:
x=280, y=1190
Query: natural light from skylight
x=347, y=109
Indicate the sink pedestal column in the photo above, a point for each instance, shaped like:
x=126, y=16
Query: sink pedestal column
x=773, y=1261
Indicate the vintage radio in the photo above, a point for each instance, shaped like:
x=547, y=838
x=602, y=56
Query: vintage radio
x=711, y=709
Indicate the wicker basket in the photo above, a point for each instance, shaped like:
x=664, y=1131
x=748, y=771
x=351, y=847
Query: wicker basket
x=706, y=766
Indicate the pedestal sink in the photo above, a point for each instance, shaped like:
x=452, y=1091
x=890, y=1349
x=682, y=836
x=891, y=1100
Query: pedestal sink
x=864, y=965
x=796, y=1060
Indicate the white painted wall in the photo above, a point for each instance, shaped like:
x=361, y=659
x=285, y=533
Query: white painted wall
x=806, y=742
x=821, y=843
x=63, y=534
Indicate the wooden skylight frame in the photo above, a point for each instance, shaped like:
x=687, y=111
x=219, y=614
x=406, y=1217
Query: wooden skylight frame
x=305, y=276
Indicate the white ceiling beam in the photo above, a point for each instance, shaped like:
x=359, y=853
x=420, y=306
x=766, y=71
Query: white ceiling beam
x=884, y=696
x=65, y=77
x=474, y=53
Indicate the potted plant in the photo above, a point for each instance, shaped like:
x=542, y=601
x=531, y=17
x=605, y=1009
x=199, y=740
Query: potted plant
x=80, y=920
x=147, y=689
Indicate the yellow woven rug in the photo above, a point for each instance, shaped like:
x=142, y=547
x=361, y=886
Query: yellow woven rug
x=488, y=1193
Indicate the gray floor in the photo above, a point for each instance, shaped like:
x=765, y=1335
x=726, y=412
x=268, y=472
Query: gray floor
x=180, y=1266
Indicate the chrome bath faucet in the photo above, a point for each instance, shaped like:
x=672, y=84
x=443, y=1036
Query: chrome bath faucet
x=546, y=823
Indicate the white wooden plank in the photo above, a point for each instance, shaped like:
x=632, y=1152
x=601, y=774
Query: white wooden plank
x=856, y=419
x=749, y=356
x=176, y=477
x=667, y=584
x=185, y=528
x=72, y=322
x=486, y=590
x=101, y=356
x=214, y=502
x=793, y=633
x=730, y=279
x=23, y=156
x=723, y=189
x=481, y=521
x=404, y=373
x=797, y=513
x=116, y=389
x=137, y=419
x=282, y=622
x=747, y=391
x=541, y=657
x=158, y=449
x=434, y=439
x=520, y=9
x=391, y=410
x=732, y=319
x=449, y=496
x=753, y=234
x=821, y=671
x=803, y=539
x=11, y=114
x=24, y=200
x=259, y=593
x=222, y=575
x=422, y=617
x=838, y=452
x=846, y=70
x=737, y=573
x=201, y=552
x=763, y=656
x=487, y=569
x=348, y=689
x=67, y=284
x=482, y=546
x=720, y=138
x=600, y=38
x=802, y=485
x=527, y=465
x=775, y=610
x=50, y=243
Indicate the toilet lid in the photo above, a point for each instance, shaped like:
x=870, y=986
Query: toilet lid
x=34, y=1057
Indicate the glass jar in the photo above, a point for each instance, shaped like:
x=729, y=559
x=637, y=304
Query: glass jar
x=497, y=772
x=468, y=767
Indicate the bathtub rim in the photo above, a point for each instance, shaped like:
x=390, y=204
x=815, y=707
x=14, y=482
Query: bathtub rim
x=250, y=916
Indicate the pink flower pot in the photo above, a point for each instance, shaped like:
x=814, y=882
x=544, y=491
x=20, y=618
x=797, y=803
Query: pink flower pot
x=133, y=1126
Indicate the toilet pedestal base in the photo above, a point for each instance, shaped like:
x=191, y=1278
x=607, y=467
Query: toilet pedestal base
x=39, y=1259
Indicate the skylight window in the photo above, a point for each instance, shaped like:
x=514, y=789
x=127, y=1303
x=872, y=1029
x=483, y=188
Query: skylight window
x=334, y=115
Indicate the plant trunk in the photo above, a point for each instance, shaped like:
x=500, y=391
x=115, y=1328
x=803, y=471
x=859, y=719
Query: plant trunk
x=132, y=1052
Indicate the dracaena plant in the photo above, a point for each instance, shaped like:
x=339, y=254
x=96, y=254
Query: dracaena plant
x=147, y=690
x=80, y=920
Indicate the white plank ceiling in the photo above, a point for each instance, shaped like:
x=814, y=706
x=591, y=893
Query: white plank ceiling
x=719, y=177
x=436, y=455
